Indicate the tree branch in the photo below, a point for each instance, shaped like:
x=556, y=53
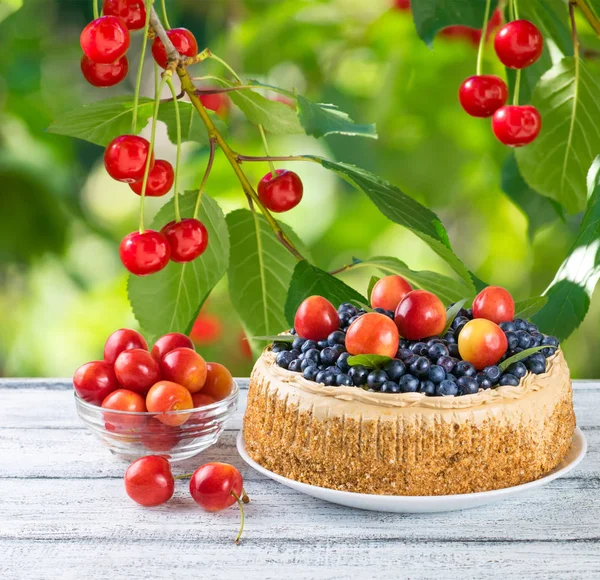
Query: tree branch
x=172, y=53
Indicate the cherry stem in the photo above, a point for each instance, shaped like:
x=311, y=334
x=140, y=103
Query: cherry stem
x=178, y=159
x=245, y=497
x=253, y=158
x=138, y=81
x=239, y=501
x=216, y=91
x=266, y=146
x=221, y=61
x=95, y=9
x=516, y=9
x=173, y=55
x=183, y=476
x=482, y=40
x=589, y=15
x=517, y=87
x=164, y=15
x=211, y=157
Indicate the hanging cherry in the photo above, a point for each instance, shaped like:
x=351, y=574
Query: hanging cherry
x=105, y=39
x=183, y=40
x=187, y=239
x=131, y=12
x=516, y=125
x=282, y=192
x=144, y=253
x=104, y=75
x=519, y=44
x=160, y=180
x=482, y=95
x=125, y=158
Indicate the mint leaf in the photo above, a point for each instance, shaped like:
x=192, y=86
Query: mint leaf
x=520, y=356
x=528, y=307
x=276, y=338
x=451, y=315
x=371, y=361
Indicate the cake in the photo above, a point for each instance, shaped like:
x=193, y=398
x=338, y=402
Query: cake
x=369, y=439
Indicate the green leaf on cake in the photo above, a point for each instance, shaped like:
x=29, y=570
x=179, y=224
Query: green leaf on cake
x=570, y=292
x=451, y=314
x=308, y=280
x=371, y=361
x=527, y=308
x=520, y=356
x=169, y=301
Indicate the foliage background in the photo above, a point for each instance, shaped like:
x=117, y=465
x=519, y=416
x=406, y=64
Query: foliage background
x=62, y=287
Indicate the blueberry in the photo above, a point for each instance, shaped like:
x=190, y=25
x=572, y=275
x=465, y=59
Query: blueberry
x=307, y=363
x=339, y=348
x=493, y=373
x=433, y=341
x=536, y=338
x=536, y=366
x=280, y=346
x=295, y=365
x=345, y=319
x=336, y=337
x=524, y=339
x=347, y=307
x=326, y=378
x=403, y=343
x=512, y=339
x=453, y=350
x=353, y=319
x=293, y=330
x=284, y=358
x=343, y=380
x=342, y=362
x=520, y=324
x=459, y=321
x=419, y=348
x=411, y=359
x=308, y=345
x=508, y=379
x=376, y=379
x=389, y=387
x=447, y=363
x=427, y=388
x=420, y=367
x=329, y=356
x=310, y=373
x=517, y=369
x=470, y=313
x=451, y=377
x=404, y=353
x=462, y=312
x=531, y=328
x=447, y=389
x=321, y=344
x=467, y=386
x=298, y=342
x=464, y=368
x=437, y=350
x=450, y=338
x=550, y=341
x=483, y=381
x=395, y=369
x=436, y=374
x=313, y=354
x=409, y=384
x=508, y=326
x=380, y=311
x=359, y=375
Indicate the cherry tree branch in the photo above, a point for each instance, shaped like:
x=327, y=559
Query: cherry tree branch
x=172, y=53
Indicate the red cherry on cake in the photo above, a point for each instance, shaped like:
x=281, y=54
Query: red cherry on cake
x=137, y=370
x=104, y=75
x=160, y=180
x=282, y=192
x=494, y=303
x=183, y=40
x=187, y=239
x=516, y=125
x=169, y=342
x=105, y=39
x=372, y=333
x=419, y=315
x=185, y=367
x=518, y=44
x=166, y=396
x=482, y=95
x=131, y=12
x=145, y=253
x=482, y=343
x=94, y=381
x=389, y=291
x=120, y=340
x=149, y=481
x=125, y=158
x=316, y=318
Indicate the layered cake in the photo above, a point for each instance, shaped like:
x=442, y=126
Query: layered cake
x=423, y=421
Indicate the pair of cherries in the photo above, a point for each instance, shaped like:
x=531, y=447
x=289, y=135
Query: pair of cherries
x=518, y=44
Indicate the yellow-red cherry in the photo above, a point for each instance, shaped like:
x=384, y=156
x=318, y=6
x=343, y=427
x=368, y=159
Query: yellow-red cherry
x=187, y=238
x=120, y=340
x=316, y=318
x=169, y=342
x=123, y=400
x=160, y=180
x=105, y=39
x=158, y=437
x=482, y=343
x=519, y=44
x=137, y=370
x=516, y=125
x=389, y=291
x=94, y=381
x=104, y=75
x=144, y=253
x=219, y=382
x=494, y=303
x=183, y=40
x=166, y=396
x=131, y=12
x=185, y=367
x=483, y=95
x=125, y=158
x=420, y=314
x=373, y=333
x=149, y=481
x=281, y=192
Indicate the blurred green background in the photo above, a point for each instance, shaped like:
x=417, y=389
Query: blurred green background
x=62, y=286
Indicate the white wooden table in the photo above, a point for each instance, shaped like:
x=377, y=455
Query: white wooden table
x=64, y=514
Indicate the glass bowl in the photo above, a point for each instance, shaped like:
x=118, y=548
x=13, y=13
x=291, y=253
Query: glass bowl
x=131, y=435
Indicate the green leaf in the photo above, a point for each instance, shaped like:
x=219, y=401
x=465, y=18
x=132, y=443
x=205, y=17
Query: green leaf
x=260, y=272
x=552, y=18
x=570, y=292
x=192, y=127
x=431, y=16
x=556, y=163
x=7, y=7
x=276, y=338
x=371, y=361
x=451, y=315
x=308, y=280
x=169, y=301
x=520, y=356
x=538, y=210
x=372, y=282
x=527, y=308
x=320, y=120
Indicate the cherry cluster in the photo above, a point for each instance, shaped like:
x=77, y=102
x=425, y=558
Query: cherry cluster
x=518, y=44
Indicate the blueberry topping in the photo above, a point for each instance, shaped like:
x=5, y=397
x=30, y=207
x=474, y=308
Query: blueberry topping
x=395, y=369
x=517, y=369
x=376, y=379
x=549, y=341
x=389, y=387
x=307, y=363
x=298, y=342
x=347, y=307
x=313, y=354
x=284, y=358
x=436, y=374
x=464, y=369
x=483, y=381
x=536, y=338
x=308, y=345
x=404, y=353
x=325, y=378
x=343, y=380
x=453, y=350
x=447, y=389
x=508, y=326
x=523, y=338
x=321, y=344
x=419, y=348
x=427, y=388
x=520, y=324
x=536, y=366
x=295, y=365
x=437, y=350
x=493, y=373
x=310, y=373
x=447, y=363
x=342, y=362
x=359, y=375
x=512, y=339
x=408, y=384
x=293, y=331
x=336, y=337
x=508, y=379
x=280, y=346
x=459, y=322
x=329, y=356
x=450, y=338
x=420, y=367
x=467, y=385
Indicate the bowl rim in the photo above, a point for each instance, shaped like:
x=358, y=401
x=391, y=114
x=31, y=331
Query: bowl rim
x=213, y=406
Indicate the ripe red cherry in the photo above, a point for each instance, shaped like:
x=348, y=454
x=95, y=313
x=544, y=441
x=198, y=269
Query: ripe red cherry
x=483, y=95
x=207, y=329
x=183, y=40
x=158, y=437
x=373, y=333
x=482, y=343
x=131, y=12
x=94, y=381
x=170, y=342
x=146, y=253
x=185, y=367
x=165, y=397
x=149, y=481
x=402, y=5
x=125, y=158
x=123, y=400
x=105, y=39
x=473, y=35
x=160, y=180
x=316, y=318
x=137, y=370
x=518, y=44
x=419, y=315
x=120, y=340
x=104, y=75
x=389, y=291
x=187, y=239
x=516, y=125
x=282, y=192
x=494, y=303
x=217, y=102
x=219, y=382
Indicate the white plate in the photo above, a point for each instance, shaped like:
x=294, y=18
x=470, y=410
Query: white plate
x=422, y=504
